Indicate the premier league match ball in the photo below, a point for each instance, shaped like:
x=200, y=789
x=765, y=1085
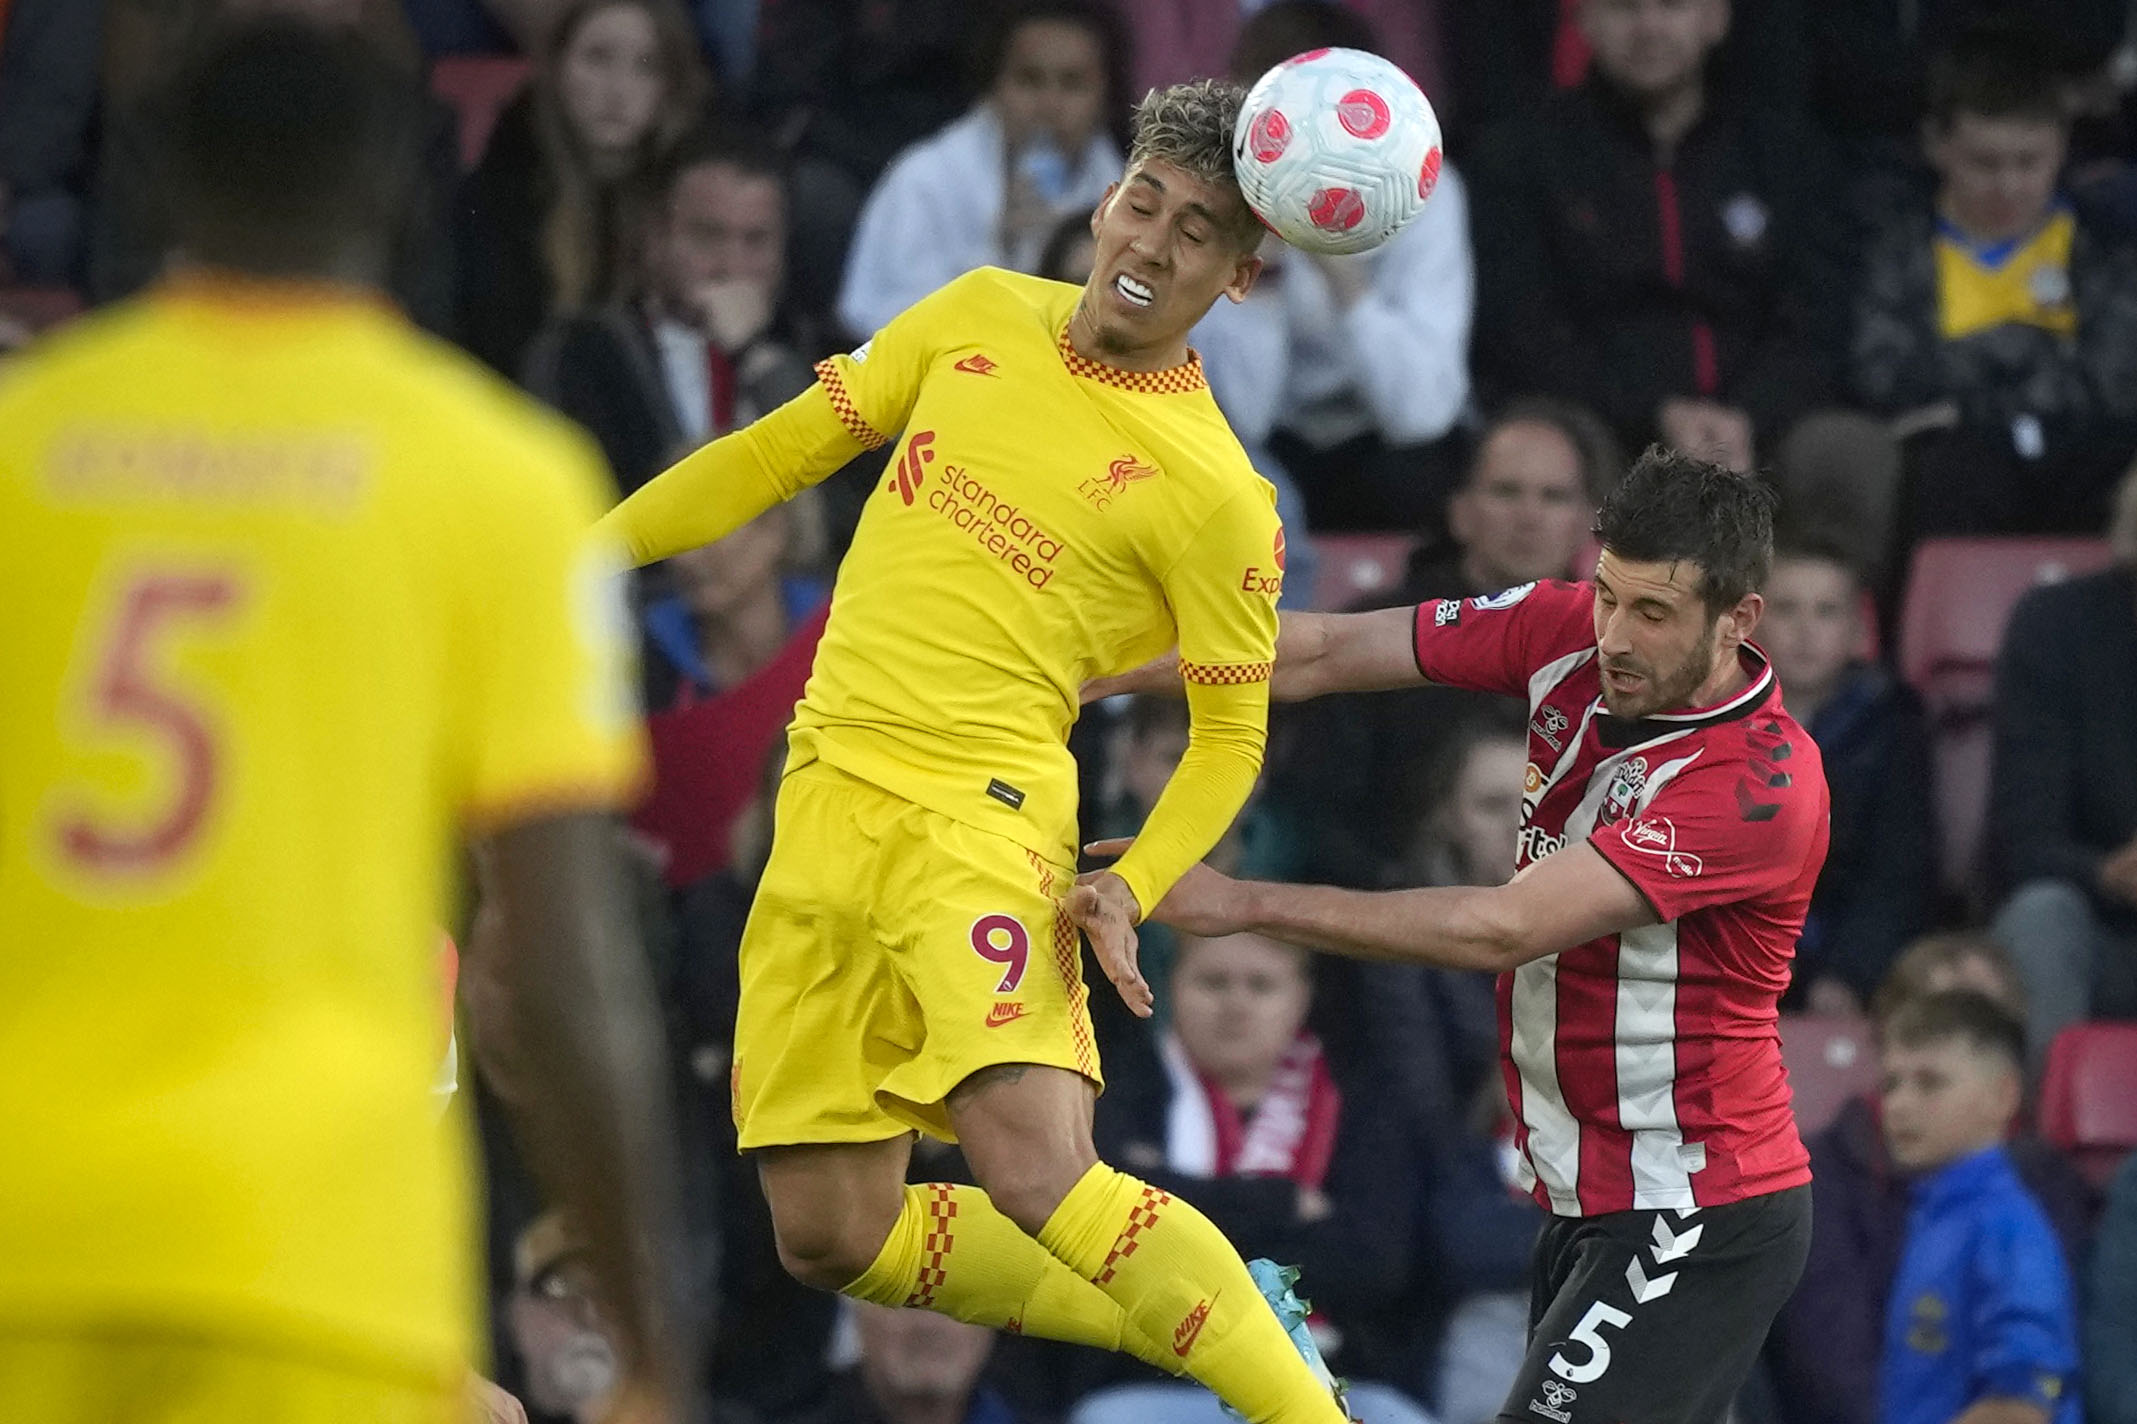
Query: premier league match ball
x=1336, y=150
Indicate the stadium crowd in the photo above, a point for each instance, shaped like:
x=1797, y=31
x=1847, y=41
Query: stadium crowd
x=1883, y=253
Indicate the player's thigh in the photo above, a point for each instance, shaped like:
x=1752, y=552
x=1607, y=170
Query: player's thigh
x=822, y=1018
x=150, y=1378
x=1659, y=1316
x=981, y=940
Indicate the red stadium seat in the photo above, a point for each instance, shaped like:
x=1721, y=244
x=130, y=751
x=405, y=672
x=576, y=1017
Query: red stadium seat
x=1355, y=566
x=478, y=86
x=1829, y=1061
x=2089, y=1097
x=1960, y=593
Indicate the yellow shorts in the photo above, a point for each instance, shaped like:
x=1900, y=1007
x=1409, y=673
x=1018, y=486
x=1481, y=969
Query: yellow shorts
x=170, y=1379
x=891, y=953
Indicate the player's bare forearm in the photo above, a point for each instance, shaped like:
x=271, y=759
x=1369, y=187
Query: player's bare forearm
x=1454, y=928
x=586, y=1089
x=1316, y=653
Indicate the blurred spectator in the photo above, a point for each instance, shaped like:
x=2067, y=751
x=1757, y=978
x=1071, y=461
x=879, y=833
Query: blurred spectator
x=1981, y=1308
x=1870, y=61
x=1993, y=323
x=1350, y=371
x=990, y=188
x=727, y=656
x=848, y=85
x=1877, y=889
x=1657, y=249
x=571, y=1363
x=1246, y=1117
x=48, y=92
x=704, y=344
x=1178, y=40
x=1358, y=781
x=1483, y=1226
x=915, y=1367
x=1506, y=56
x=130, y=234
x=1824, y=1349
x=2063, y=792
x=2111, y=1317
x=549, y=220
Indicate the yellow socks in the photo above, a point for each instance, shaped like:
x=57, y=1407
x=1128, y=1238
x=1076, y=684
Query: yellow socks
x=952, y=1251
x=1177, y=1280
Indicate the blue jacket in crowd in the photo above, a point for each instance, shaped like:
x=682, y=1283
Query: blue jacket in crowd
x=1982, y=1305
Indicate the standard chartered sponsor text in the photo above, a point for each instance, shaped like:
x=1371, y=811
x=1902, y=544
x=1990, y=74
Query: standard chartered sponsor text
x=999, y=527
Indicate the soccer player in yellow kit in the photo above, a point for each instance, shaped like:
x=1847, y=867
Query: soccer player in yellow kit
x=1063, y=500
x=295, y=597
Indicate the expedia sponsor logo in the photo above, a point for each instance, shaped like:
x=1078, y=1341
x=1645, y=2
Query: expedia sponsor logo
x=998, y=526
x=1268, y=581
x=1535, y=843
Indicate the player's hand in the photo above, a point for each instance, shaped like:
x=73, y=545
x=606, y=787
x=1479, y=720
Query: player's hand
x=735, y=312
x=1203, y=902
x=2118, y=874
x=488, y=1403
x=639, y=1402
x=1104, y=908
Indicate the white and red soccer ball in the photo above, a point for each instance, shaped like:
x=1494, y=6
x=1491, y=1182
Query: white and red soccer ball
x=1336, y=150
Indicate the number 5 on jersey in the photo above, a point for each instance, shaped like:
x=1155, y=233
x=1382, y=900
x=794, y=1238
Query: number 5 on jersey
x=136, y=704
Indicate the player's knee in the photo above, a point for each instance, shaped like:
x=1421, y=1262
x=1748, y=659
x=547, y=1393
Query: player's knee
x=827, y=1255
x=1030, y=1190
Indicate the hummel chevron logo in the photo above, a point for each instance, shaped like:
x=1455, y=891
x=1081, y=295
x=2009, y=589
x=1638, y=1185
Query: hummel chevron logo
x=976, y=365
x=919, y=454
x=1676, y=1247
x=1643, y=1289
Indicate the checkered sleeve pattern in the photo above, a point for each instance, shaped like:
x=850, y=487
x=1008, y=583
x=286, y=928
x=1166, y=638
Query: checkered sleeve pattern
x=1141, y=1217
x=1225, y=674
x=1172, y=381
x=935, y=1246
x=835, y=387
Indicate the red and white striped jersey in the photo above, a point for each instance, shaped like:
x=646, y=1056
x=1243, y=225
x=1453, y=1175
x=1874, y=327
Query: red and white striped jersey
x=1645, y=1067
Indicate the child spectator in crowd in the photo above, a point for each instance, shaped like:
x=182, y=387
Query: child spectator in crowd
x=989, y=189
x=705, y=343
x=1351, y=372
x=1824, y=1349
x=1981, y=1325
x=1296, y=1152
x=1877, y=889
x=550, y=219
x=48, y=101
x=1993, y=323
x=2063, y=789
x=2111, y=1318
x=569, y=1360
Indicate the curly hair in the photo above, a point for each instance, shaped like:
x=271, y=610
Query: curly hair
x=1190, y=127
x=1671, y=507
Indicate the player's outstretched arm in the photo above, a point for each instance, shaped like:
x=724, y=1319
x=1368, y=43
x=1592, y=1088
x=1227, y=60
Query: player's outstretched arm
x=568, y=1017
x=1316, y=654
x=1569, y=897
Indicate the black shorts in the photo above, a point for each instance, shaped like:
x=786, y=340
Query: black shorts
x=1655, y=1317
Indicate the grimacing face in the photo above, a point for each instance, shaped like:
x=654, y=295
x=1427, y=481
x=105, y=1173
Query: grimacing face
x=1657, y=643
x=1165, y=253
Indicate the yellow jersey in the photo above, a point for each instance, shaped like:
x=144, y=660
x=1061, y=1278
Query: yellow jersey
x=1044, y=519
x=295, y=596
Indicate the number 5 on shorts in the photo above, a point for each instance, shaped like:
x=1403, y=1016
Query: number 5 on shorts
x=1589, y=1333
x=1003, y=940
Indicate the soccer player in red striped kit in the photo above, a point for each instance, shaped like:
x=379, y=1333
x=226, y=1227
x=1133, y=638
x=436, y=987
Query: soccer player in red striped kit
x=1673, y=824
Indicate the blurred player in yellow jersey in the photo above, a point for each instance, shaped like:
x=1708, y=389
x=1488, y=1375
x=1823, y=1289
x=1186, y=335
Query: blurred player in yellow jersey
x=296, y=598
x=1063, y=499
